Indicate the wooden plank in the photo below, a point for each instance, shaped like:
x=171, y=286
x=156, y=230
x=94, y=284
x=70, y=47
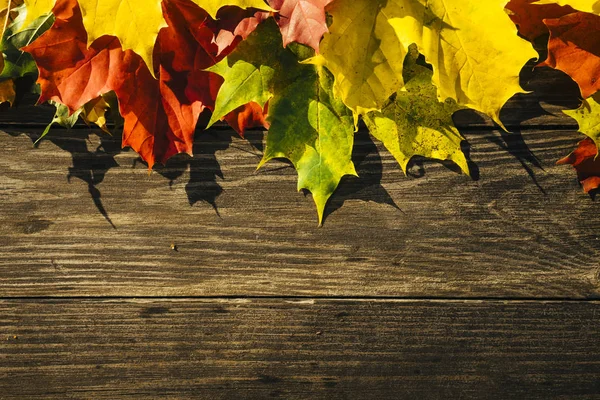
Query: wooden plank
x=317, y=349
x=523, y=229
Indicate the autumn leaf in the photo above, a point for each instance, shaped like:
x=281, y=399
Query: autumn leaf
x=585, y=161
x=249, y=73
x=17, y=63
x=135, y=23
x=95, y=110
x=574, y=48
x=8, y=13
x=62, y=117
x=309, y=125
x=317, y=138
x=589, y=6
x=416, y=123
x=529, y=17
x=160, y=115
x=588, y=117
x=585, y=158
x=363, y=52
x=301, y=21
x=36, y=9
x=473, y=48
x=7, y=91
x=306, y=70
x=248, y=116
x=213, y=6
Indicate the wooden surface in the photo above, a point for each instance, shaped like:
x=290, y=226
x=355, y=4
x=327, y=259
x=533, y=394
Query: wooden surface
x=431, y=286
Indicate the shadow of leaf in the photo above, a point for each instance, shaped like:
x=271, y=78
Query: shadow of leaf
x=204, y=168
x=89, y=166
x=367, y=187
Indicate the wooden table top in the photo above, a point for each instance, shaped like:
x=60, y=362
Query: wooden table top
x=431, y=286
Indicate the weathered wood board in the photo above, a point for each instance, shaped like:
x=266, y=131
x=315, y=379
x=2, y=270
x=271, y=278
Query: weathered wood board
x=312, y=349
x=431, y=286
x=522, y=229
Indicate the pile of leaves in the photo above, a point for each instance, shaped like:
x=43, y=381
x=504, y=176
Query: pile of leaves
x=308, y=71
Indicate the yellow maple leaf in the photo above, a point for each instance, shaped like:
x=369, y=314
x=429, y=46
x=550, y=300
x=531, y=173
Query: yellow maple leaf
x=94, y=112
x=35, y=9
x=134, y=22
x=416, y=123
x=473, y=47
x=7, y=91
x=363, y=53
x=588, y=117
x=212, y=6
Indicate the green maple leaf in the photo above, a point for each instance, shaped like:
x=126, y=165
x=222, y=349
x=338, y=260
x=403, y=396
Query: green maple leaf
x=62, y=117
x=308, y=124
x=416, y=123
x=17, y=63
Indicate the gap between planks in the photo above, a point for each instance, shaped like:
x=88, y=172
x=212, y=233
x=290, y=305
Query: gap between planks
x=300, y=299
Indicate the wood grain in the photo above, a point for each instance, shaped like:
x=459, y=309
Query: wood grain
x=521, y=229
x=317, y=349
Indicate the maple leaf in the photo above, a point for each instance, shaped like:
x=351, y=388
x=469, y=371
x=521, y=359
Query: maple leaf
x=529, y=16
x=249, y=72
x=7, y=91
x=36, y=9
x=415, y=123
x=308, y=124
x=473, y=48
x=574, y=48
x=301, y=21
x=589, y=6
x=62, y=117
x=363, y=52
x=236, y=24
x=159, y=115
x=15, y=63
x=248, y=116
x=585, y=161
x=8, y=13
x=588, y=117
x=213, y=6
x=95, y=110
x=135, y=22
x=18, y=63
x=585, y=158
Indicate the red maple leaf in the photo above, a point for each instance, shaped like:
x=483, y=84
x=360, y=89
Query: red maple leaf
x=574, y=48
x=529, y=17
x=585, y=162
x=302, y=21
x=251, y=115
x=160, y=114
